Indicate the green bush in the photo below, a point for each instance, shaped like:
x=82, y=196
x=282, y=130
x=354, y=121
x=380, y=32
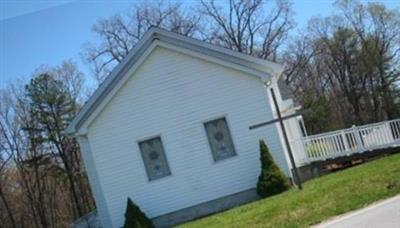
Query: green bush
x=271, y=180
x=135, y=218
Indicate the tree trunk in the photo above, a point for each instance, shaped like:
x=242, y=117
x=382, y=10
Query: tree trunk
x=8, y=209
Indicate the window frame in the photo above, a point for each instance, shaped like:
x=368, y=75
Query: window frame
x=146, y=166
x=214, y=158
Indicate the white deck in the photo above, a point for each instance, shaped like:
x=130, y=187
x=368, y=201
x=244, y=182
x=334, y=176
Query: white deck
x=357, y=139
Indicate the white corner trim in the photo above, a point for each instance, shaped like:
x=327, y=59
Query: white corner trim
x=95, y=185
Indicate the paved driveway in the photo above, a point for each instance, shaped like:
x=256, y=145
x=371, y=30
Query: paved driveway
x=385, y=214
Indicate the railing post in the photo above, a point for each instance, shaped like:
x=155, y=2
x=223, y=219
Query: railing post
x=360, y=146
x=396, y=129
x=301, y=152
x=388, y=133
x=305, y=150
x=345, y=142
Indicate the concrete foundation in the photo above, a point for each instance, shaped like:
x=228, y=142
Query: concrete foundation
x=206, y=208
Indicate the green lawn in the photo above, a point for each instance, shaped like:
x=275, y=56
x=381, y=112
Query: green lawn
x=320, y=199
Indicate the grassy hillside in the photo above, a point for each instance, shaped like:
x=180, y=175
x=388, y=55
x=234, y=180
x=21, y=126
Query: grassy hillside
x=320, y=199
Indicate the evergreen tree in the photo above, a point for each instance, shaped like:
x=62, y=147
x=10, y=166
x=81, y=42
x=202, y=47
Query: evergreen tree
x=51, y=108
x=135, y=218
x=271, y=180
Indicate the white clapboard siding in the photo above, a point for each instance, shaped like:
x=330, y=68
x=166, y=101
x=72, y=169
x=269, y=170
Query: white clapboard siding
x=171, y=95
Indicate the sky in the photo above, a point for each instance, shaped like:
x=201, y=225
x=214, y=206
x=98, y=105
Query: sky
x=46, y=32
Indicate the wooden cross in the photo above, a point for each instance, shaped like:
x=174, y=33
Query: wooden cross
x=280, y=119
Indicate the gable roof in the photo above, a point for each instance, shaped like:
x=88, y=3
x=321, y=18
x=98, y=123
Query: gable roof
x=260, y=68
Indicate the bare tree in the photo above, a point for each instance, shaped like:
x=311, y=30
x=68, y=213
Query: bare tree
x=297, y=56
x=44, y=163
x=121, y=32
x=6, y=155
x=10, y=144
x=350, y=59
x=255, y=27
x=250, y=26
x=72, y=78
x=378, y=28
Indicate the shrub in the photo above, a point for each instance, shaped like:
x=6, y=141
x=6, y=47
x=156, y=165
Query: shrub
x=135, y=218
x=271, y=180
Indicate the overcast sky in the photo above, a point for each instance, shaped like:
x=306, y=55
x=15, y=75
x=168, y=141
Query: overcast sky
x=37, y=32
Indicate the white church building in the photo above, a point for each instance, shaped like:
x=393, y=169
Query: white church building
x=169, y=128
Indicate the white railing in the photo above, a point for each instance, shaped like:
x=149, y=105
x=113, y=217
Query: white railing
x=345, y=142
